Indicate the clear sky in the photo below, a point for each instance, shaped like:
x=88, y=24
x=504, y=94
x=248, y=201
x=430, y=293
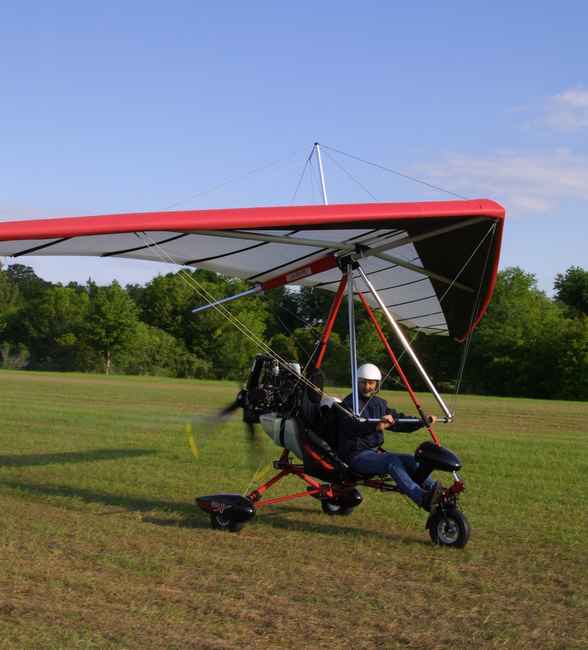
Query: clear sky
x=132, y=106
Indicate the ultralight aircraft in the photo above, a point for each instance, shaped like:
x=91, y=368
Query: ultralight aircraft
x=427, y=266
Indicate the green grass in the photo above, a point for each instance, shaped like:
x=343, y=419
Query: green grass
x=101, y=545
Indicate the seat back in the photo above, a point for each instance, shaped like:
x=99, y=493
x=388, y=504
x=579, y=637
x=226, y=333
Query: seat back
x=320, y=446
x=318, y=464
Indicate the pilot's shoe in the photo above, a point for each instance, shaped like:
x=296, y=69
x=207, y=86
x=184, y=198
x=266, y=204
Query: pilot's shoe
x=433, y=498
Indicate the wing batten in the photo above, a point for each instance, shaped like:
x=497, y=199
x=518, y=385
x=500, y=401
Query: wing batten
x=201, y=260
x=123, y=252
x=39, y=247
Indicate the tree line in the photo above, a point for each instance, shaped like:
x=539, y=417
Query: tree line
x=528, y=344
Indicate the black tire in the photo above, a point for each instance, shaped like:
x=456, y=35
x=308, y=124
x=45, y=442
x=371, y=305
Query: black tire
x=331, y=508
x=449, y=528
x=220, y=521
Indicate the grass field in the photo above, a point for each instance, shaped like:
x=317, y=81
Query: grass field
x=101, y=545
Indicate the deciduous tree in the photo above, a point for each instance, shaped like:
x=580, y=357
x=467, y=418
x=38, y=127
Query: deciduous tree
x=112, y=320
x=571, y=288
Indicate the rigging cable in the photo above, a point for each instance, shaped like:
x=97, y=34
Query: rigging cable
x=470, y=335
x=312, y=180
x=234, y=179
x=491, y=230
x=397, y=173
x=306, y=164
x=338, y=164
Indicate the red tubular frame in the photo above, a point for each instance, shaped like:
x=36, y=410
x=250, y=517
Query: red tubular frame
x=324, y=490
x=289, y=468
x=394, y=359
x=333, y=312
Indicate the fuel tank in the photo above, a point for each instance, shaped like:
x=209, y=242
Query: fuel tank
x=285, y=432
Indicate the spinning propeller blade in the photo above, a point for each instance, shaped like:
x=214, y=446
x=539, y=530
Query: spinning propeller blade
x=251, y=430
x=231, y=408
x=192, y=440
x=201, y=427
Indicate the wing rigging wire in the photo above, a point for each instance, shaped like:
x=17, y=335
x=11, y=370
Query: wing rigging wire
x=396, y=173
x=306, y=164
x=234, y=179
x=363, y=187
x=313, y=190
x=290, y=332
x=470, y=335
x=491, y=230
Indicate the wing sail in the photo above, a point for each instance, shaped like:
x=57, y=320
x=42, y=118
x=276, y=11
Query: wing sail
x=433, y=263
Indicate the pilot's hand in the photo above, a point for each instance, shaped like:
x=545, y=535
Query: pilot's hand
x=386, y=422
x=431, y=419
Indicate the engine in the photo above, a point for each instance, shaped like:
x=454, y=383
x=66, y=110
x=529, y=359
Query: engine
x=271, y=389
x=274, y=398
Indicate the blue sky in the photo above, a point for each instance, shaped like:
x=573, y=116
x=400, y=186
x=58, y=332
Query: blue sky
x=143, y=106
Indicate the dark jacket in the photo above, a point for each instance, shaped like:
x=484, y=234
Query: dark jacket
x=355, y=435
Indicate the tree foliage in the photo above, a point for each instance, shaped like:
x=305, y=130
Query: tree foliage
x=9, y=299
x=152, y=351
x=571, y=288
x=29, y=284
x=216, y=336
x=526, y=345
x=112, y=320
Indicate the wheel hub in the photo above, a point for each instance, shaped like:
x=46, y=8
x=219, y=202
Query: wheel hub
x=447, y=531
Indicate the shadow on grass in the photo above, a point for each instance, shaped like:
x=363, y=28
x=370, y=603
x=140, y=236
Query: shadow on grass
x=187, y=515
x=190, y=516
x=59, y=458
x=276, y=519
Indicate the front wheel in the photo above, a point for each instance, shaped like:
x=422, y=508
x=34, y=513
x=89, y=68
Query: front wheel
x=449, y=528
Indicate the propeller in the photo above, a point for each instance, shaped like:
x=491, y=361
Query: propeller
x=239, y=402
x=202, y=427
x=268, y=388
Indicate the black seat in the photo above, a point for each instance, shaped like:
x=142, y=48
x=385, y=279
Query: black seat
x=320, y=443
x=320, y=440
x=321, y=461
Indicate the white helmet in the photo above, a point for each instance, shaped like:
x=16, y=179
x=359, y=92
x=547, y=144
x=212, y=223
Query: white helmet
x=370, y=372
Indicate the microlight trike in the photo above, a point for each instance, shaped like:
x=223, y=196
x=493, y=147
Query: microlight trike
x=426, y=266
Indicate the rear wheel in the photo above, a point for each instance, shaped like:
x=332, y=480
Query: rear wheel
x=331, y=508
x=449, y=528
x=220, y=521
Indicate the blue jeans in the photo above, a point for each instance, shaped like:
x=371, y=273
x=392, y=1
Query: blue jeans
x=402, y=467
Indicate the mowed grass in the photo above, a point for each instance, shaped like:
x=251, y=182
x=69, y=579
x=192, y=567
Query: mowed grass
x=101, y=545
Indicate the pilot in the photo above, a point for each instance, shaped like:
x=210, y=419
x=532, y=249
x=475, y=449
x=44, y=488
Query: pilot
x=359, y=442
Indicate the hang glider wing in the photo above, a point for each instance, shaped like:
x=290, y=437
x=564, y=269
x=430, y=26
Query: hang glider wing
x=433, y=263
